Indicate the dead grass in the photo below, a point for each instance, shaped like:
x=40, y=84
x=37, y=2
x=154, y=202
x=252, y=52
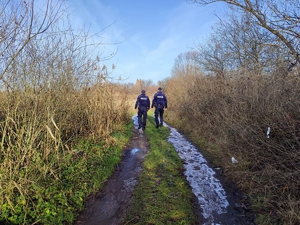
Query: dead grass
x=233, y=116
x=38, y=134
x=55, y=97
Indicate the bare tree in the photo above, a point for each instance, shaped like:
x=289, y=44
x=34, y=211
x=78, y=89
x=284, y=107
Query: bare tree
x=187, y=64
x=279, y=17
x=213, y=56
x=21, y=22
x=147, y=83
x=242, y=45
x=144, y=84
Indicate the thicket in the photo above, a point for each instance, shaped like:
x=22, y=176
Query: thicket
x=230, y=118
x=238, y=96
x=59, y=115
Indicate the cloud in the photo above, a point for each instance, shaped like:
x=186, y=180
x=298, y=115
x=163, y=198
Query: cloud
x=149, y=36
x=164, y=48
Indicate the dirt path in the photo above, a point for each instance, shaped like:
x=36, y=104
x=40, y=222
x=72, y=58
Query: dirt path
x=109, y=206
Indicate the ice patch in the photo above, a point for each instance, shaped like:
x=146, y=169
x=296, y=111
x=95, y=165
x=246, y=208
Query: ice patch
x=133, y=151
x=135, y=121
x=208, y=189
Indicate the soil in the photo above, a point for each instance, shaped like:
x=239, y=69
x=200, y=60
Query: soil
x=109, y=206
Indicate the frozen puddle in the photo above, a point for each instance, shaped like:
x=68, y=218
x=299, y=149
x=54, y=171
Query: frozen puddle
x=133, y=151
x=135, y=121
x=136, y=124
x=208, y=190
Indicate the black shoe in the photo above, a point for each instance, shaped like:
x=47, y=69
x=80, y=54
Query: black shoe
x=139, y=126
x=160, y=124
x=157, y=126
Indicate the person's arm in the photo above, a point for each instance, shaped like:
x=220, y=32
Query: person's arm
x=153, y=101
x=137, y=102
x=148, y=103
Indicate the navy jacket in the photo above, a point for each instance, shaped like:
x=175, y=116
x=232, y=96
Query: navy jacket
x=142, y=101
x=160, y=99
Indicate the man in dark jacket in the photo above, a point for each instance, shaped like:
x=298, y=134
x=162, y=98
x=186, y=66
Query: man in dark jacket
x=143, y=105
x=160, y=102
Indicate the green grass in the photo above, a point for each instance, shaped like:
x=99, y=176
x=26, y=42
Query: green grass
x=163, y=195
x=58, y=200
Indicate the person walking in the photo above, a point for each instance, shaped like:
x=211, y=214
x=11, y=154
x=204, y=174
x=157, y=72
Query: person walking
x=143, y=105
x=160, y=103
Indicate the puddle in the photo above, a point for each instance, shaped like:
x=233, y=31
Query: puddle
x=110, y=204
x=135, y=121
x=136, y=125
x=208, y=190
x=133, y=151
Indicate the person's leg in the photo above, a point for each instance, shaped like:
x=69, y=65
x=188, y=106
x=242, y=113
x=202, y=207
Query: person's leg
x=161, y=116
x=139, y=118
x=156, y=112
x=144, y=121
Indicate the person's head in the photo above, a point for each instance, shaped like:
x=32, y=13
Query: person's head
x=159, y=89
x=143, y=91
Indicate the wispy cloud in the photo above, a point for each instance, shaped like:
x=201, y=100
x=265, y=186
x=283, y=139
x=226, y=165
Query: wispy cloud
x=149, y=36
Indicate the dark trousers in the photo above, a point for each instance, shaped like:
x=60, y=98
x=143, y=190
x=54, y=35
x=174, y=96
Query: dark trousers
x=142, y=116
x=159, y=111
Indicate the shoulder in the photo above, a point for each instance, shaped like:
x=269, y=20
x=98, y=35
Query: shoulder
x=144, y=97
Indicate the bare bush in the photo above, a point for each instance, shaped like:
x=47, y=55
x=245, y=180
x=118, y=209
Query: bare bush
x=54, y=94
x=247, y=106
x=233, y=119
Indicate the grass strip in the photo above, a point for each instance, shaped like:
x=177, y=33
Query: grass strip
x=163, y=195
x=55, y=200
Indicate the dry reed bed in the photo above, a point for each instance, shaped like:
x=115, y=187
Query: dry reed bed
x=232, y=115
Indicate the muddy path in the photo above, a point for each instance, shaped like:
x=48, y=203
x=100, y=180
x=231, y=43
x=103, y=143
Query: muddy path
x=215, y=202
x=108, y=207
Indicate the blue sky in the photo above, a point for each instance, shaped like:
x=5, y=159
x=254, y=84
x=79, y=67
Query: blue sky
x=150, y=34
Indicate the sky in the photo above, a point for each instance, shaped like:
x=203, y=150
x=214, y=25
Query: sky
x=145, y=36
